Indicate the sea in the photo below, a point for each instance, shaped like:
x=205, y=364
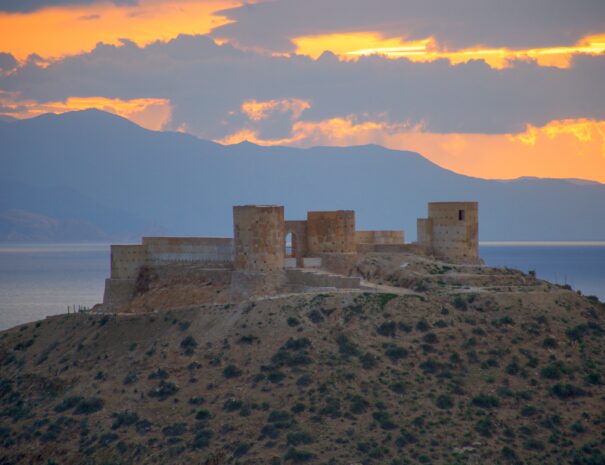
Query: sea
x=38, y=280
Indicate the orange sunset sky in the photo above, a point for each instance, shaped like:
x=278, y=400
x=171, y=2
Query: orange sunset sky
x=483, y=92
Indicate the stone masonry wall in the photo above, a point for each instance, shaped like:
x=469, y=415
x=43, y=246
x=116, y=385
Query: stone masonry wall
x=258, y=238
x=331, y=232
x=215, y=251
x=379, y=237
x=455, y=229
x=126, y=261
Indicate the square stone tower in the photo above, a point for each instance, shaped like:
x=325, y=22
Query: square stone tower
x=331, y=232
x=451, y=230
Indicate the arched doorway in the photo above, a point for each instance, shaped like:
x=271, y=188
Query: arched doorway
x=290, y=245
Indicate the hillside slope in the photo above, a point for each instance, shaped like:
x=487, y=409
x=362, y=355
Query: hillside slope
x=134, y=178
x=479, y=367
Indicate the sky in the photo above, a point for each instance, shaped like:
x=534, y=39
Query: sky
x=485, y=88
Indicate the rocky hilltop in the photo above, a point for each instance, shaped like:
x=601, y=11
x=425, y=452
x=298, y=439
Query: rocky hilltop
x=430, y=363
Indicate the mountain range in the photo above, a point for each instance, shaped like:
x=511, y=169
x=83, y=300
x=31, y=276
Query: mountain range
x=105, y=177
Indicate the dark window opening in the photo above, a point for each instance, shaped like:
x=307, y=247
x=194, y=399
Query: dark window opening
x=461, y=215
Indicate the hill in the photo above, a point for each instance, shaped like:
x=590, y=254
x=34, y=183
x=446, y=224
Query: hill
x=128, y=180
x=474, y=365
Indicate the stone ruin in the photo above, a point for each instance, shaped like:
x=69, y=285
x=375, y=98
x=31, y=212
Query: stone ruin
x=269, y=255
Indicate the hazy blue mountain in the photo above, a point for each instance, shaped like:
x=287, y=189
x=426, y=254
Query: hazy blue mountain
x=22, y=225
x=100, y=168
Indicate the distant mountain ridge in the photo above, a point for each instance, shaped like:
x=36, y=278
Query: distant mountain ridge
x=124, y=180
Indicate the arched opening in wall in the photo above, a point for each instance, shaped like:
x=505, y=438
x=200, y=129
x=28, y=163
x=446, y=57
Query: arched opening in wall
x=290, y=245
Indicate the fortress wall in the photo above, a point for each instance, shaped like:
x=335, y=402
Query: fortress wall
x=118, y=292
x=211, y=250
x=258, y=238
x=126, y=261
x=424, y=231
x=389, y=248
x=331, y=232
x=455, y=229
x=379, y=237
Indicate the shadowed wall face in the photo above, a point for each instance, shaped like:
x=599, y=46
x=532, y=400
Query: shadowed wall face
x=258, y=238
x=331, y=232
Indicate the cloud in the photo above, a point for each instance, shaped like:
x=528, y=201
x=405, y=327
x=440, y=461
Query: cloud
x=7, y=61
x=455, y=24
x=559, y=149
x=150, y=113
x=27, y=6
x=207, y=84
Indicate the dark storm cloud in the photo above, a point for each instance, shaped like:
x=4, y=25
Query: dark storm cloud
x=27, y=6
x=455, y=23
x=207, y=85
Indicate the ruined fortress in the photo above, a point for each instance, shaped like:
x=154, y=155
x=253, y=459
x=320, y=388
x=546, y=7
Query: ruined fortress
x=269, y=255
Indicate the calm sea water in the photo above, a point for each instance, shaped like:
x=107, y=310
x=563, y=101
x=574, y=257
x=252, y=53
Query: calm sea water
x=581, y=265
x=37, y=280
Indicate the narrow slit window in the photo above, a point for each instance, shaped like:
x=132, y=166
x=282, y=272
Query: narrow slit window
x=461, y=215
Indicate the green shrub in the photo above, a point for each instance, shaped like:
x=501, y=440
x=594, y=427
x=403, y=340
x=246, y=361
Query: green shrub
x=231, y=371
x=566, y=391
x=395, y=352
x=423, y=325
x=270, y=431
x=331, y=408
x=298, y=408
x=231, y=405
x=368, y=361
x=444, y=402
x=554, y=370
x=383, y=418
x=397, y=387
x=188, y=345
x=292, y=322
x=387, y=329
x=196, y=400
x=459, y=303
x=345, y=346
x=484, y=427
x=164, y=390
x=160, y=373
x=202, y=438
x=549, y=343
x=384, y=299
x=68, y=403
x=533, y=444
x=315, y=316
x=298, y=438
x=430, y=366
x=88, y=406
x=358, y=404
x=176, y=429
x=529, y=411
x=405, y=438
x=485, y=401
x=247, y=339
x=276, y=376
x=202, y=415
x=297, y=455
x=280, y=418
x=304, y=380
x=124, y=418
